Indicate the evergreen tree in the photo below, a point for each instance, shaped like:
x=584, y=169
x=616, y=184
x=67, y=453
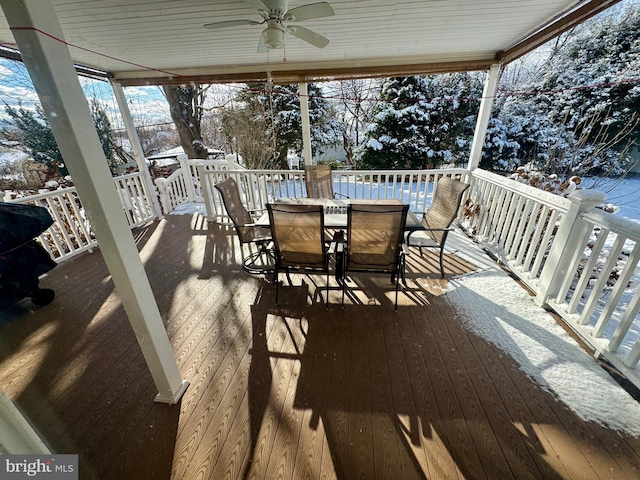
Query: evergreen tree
x=582, y=115
x=103, y=127
x=280, y=105
x=32, y=130
x=423, y=122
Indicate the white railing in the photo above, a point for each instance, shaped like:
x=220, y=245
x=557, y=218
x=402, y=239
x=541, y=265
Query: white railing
x=184, y=185
x=514, y=222
x=173, y=191
x=258, y=187
x=599, y=295
x=135, y=198
x=71, y=232
x=579, y=260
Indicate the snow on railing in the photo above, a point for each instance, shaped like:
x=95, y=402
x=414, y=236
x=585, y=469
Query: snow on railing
x=580, y=261
x=71, y=232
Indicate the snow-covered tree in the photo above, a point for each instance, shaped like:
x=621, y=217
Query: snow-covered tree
x=32, y=130
x=581, y=113
x=500, y=151
x=278, y=109
x=423, y=121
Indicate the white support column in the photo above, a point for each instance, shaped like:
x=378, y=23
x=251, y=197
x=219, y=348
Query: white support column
x=484, y=113
x=135, y=145
x=17, y=436
x=49, y=63
x=306, y=127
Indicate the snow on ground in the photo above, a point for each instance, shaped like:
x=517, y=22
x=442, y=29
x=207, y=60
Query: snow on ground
x=190, y=209
x=543, y=350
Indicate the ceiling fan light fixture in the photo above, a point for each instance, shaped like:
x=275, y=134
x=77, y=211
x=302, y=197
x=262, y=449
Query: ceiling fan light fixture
x=274, y=37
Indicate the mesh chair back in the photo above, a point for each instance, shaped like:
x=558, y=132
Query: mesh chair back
x=319, y=181
x=374, y=236
x=236, y=210
x=444, y=207
x=297, y=232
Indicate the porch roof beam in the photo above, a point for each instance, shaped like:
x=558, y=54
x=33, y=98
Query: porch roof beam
x=556, y=26
x=311, y=75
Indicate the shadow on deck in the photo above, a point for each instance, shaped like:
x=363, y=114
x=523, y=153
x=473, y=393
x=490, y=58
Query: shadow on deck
x=290, y=390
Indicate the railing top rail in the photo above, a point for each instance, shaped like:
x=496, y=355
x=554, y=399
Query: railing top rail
x=170, y=178
x=613, y=223
x=40, y=196
x=527, y=191
x=348, y=172
x=206, y=161
x=128, y=175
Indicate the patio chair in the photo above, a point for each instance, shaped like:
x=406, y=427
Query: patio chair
x=248, y=233
x=319, y=182
x=298, y=236
x=375, y=235
x=438, y=218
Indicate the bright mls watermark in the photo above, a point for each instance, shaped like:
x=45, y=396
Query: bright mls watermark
x=52, y=467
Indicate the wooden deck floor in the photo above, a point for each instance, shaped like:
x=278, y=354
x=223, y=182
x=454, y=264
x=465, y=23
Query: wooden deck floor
x=291, y=391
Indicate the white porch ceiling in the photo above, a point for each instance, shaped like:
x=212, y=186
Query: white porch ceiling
x=161, y=41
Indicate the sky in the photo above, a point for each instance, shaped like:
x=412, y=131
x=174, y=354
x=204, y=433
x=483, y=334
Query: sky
x=147, y=104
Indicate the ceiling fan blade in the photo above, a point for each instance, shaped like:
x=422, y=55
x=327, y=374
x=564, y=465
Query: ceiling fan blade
x=230, y=23
x=308, y=36
x=309, y=12
x=262, y=46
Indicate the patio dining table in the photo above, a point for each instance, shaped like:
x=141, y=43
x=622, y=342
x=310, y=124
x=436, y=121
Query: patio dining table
x=335, y=211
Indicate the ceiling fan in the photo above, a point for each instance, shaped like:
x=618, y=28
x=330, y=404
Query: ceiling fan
x=274, y=13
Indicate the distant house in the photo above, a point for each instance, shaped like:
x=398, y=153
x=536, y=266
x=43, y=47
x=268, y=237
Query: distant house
x=335, y=153
x=13, y=157
x=169, y=158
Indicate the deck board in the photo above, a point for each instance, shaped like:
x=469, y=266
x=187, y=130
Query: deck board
x=293, y=390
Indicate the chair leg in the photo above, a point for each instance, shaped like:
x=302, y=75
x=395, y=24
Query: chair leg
x=275, y=279
x=397, y=284
x=344, y=283
x=327, y=300
x=441, y=266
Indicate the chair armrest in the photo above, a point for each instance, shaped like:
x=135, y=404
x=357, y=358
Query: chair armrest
x=340, y=194
x=411, y=232
x=434, y=229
